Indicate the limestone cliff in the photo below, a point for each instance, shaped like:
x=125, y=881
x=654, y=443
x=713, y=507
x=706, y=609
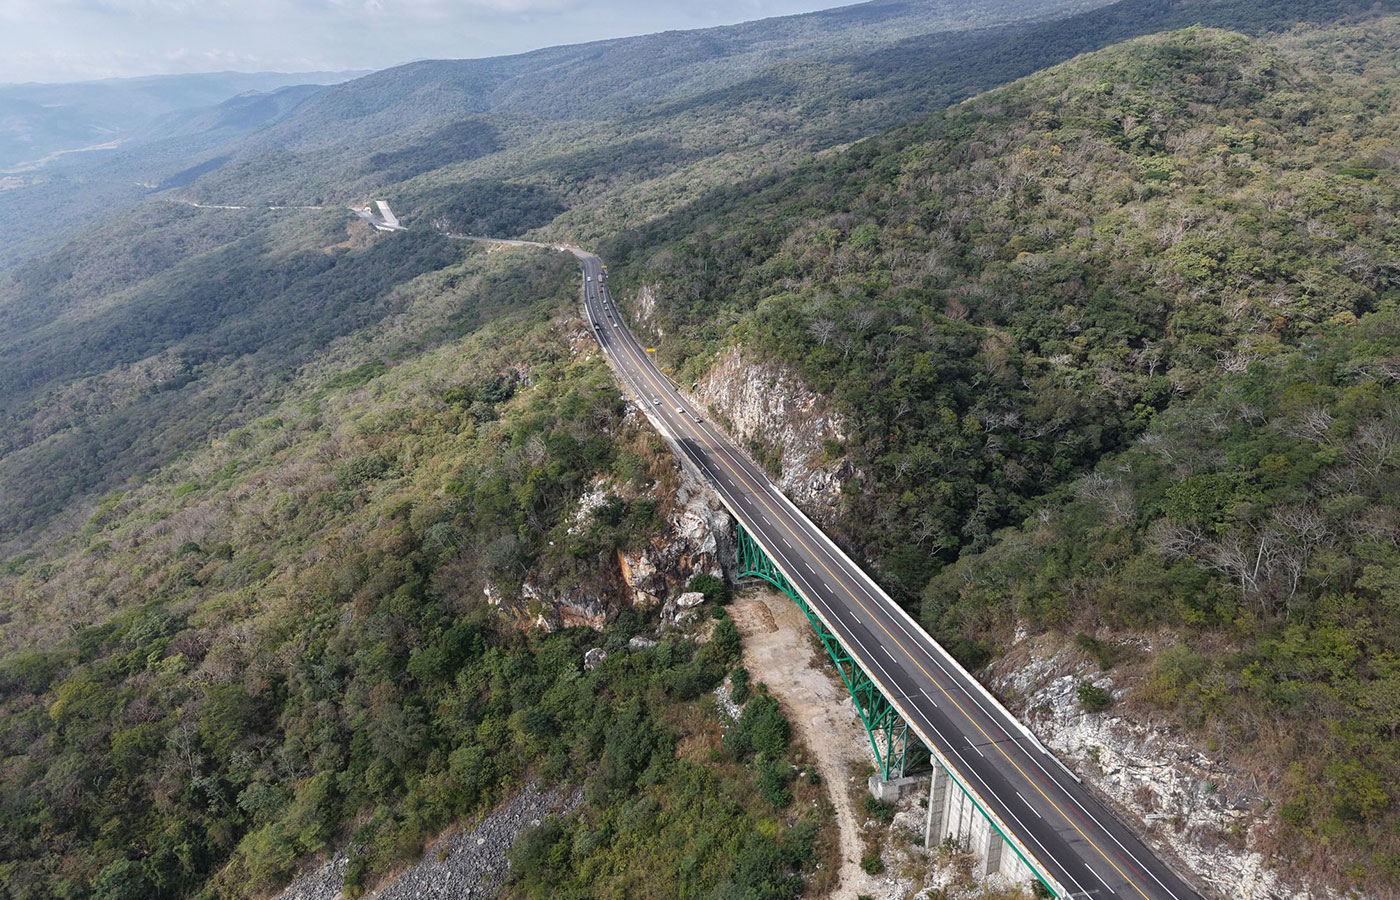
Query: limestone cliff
x=1193, y=803
x=768, y=406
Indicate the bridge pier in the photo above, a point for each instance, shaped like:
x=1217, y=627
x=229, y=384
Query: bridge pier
x=890, y=790
x=952, y=816
x=937, y=806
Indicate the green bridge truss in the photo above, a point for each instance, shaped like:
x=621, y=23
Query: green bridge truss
x=897, y=749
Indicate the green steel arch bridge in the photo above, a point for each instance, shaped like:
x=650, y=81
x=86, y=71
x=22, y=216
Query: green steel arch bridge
x=992, y=782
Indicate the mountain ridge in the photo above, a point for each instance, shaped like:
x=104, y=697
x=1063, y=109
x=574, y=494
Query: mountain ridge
x=278, y=488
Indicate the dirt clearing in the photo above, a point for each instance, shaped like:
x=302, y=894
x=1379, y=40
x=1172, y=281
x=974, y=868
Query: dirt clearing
x=781, y=651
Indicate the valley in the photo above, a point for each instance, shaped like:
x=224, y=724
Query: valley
x=1044, y=351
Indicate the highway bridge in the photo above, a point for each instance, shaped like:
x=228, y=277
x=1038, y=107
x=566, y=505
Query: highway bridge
x=992, y=781
x=1038, y=815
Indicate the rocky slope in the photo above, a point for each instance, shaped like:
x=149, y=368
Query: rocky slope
x=470, y=863
x=695, y=536
x=790, y=427
x=1193, y=802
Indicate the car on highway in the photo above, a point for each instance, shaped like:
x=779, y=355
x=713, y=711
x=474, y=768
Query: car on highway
x=655, y=401
x=680, y=410
x=589, y=278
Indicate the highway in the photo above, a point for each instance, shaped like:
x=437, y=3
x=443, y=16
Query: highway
x=1068, y=833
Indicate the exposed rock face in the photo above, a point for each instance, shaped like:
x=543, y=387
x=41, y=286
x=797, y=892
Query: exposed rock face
x=470, y=863
x=1193, y=804
x=696, y=537
x=690, y=599
x=644, y=307
x=769, y=404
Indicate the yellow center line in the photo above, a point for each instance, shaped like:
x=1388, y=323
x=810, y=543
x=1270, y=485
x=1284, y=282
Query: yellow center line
x=928, y=674
x=756, y=491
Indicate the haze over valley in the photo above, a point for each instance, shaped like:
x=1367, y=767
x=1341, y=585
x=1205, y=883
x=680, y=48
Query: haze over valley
x=922, y=448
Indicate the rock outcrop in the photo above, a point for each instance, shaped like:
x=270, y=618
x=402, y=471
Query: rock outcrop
x=769, y=405
x=1193, y=803
x=697, y=536
x=644, y=308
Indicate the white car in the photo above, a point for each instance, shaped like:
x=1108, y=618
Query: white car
x=655, y=401
x=680, y=410
x=588, y=278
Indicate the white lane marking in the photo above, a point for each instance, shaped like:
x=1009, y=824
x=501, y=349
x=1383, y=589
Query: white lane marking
x=786, y=544
x=1098, y=876
x=936, y=653
x=974, y=747
x=862, y=576
x=809, y=567
x=929, y=696
x=1032, y=808
x=887, y=651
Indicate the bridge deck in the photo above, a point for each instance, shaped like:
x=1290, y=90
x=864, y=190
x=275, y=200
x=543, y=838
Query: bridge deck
x=1068, y=833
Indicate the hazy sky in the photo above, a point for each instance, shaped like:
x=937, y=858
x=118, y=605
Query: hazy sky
x=67, y=40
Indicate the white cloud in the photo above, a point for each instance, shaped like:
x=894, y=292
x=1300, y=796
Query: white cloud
x=49, y=40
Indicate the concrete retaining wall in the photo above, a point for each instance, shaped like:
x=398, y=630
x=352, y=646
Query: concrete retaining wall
x=953, y=816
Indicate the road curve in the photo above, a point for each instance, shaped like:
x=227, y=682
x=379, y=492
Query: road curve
x=1069, y=833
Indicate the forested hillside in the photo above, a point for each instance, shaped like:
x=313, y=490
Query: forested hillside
x=1174, y=263
x=169, y=323
x=281, y=642
x=132, y=324
x=1116, y=343
x=143, y=339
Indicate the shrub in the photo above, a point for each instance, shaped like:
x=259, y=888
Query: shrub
x=1093, y=698
x=772, y=779
x=121, y=880
x=1104, y=653
x=714, y=589
x=536, y=852
x=762, y=729
x=740, y=681
x=725, y=644
x=879, y=810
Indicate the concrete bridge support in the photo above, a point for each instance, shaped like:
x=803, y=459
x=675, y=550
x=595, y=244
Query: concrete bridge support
x=953, y=816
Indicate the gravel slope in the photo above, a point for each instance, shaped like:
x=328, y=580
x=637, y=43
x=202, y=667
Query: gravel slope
x=468, y=864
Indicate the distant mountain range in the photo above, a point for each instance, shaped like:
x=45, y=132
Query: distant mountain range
x=40, y=120
x=1107, y=303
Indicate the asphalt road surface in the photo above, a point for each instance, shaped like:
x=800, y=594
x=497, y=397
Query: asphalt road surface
x=1067, y=831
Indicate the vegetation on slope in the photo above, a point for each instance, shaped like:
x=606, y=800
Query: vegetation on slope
x=999, y=295
x=284, y=642
x=1173, y=263
x=1254, y=532
x=270, y=635
x=142, y=341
